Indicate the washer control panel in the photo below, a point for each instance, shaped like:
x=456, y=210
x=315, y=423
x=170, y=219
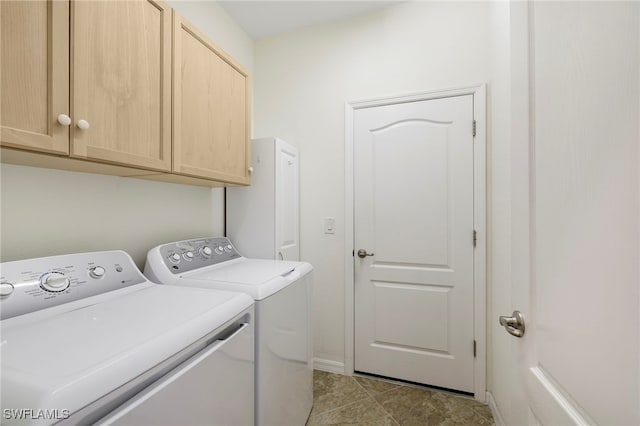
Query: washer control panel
x=188, y=255
x=34, y=284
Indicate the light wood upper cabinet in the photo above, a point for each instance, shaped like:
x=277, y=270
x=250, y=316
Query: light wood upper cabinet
x=211, y=109
x=122, y=82
x=34, y=69
x=142, y=96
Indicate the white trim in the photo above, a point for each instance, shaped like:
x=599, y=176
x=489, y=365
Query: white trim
x=559, y=407
x=328, y=366
x=497, y=416
x=479, y=216
x=349, y=271
x=480, y=253
x=413, y=97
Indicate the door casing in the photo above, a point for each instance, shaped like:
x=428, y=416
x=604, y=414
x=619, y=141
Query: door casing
x=479, y=218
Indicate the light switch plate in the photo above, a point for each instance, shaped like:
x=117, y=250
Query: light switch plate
x=329, y=225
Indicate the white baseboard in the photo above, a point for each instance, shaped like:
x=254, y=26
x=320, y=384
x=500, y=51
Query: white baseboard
x=497, y=417
x=328, y=365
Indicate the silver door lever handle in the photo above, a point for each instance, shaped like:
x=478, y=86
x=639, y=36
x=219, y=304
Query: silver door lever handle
x=513, y=324
x=362, y=253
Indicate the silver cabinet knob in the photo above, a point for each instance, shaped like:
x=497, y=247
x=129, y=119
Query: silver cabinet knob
x=362, y=253
x=513, y=324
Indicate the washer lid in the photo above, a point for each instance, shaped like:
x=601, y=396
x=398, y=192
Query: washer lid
x=73, y=354
x=258, y=278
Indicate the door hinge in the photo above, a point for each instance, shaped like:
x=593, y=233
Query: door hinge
x=474, y=348
x=475, y=237
x=474, y=128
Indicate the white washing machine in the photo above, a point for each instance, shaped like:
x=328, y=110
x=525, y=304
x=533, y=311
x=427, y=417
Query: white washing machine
x=86, y=339
x=282, y=293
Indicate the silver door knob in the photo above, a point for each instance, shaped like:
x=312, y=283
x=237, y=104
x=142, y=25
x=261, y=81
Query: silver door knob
x=513, y=324
x=362, y=253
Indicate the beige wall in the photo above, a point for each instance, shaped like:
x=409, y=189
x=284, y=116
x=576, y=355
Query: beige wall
x=45, y=212
x=303, y=80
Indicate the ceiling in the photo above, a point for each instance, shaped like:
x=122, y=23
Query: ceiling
x=266, y=18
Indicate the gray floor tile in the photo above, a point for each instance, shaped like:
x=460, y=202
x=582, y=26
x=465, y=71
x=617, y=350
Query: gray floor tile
x=374, y=386
x=364, y=412
x=331, y=391
x=357, y=400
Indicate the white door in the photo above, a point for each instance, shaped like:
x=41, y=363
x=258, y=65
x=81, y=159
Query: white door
x=577, y=281
x=287, y=201
x=413, y=215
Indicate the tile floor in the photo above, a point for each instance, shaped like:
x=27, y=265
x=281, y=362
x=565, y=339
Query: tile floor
x=344, y=400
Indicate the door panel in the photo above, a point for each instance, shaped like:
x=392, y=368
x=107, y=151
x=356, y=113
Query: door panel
x=403, y=310
x=586, y=209
x=414, y=214
x=34, y=62
x=424, y=140
x=122, y=82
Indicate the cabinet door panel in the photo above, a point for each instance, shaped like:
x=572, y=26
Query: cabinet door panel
x=34, y=62
x=122, y=81
x=211, y=109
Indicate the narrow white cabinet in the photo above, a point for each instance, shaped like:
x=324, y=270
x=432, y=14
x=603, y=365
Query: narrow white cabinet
x=262, y=219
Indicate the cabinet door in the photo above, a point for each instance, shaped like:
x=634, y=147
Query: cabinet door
x=211, y=109
x=34, y=64
x=122, y=82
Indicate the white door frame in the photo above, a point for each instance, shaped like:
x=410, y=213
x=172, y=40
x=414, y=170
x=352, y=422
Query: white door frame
x=479, y=218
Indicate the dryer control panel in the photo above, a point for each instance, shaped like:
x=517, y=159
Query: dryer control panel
x=33, y=284
x=188, y=255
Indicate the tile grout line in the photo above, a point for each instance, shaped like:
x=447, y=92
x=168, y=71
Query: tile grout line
x=338, y=408
x=342, y=406
x=376, y=401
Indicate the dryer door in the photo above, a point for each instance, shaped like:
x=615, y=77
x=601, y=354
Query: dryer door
x=215, y=386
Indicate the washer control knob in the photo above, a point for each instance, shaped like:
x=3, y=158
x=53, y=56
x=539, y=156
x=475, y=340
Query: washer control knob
x=188, y=255
x=219, y=250
x=97, y=272
x=54, y=281
x=206, y=251
x=6, y=288
x=228, y=248
x=174, y=258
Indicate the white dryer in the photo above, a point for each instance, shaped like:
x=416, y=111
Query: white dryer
x=282, y=293
x=86, y=339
